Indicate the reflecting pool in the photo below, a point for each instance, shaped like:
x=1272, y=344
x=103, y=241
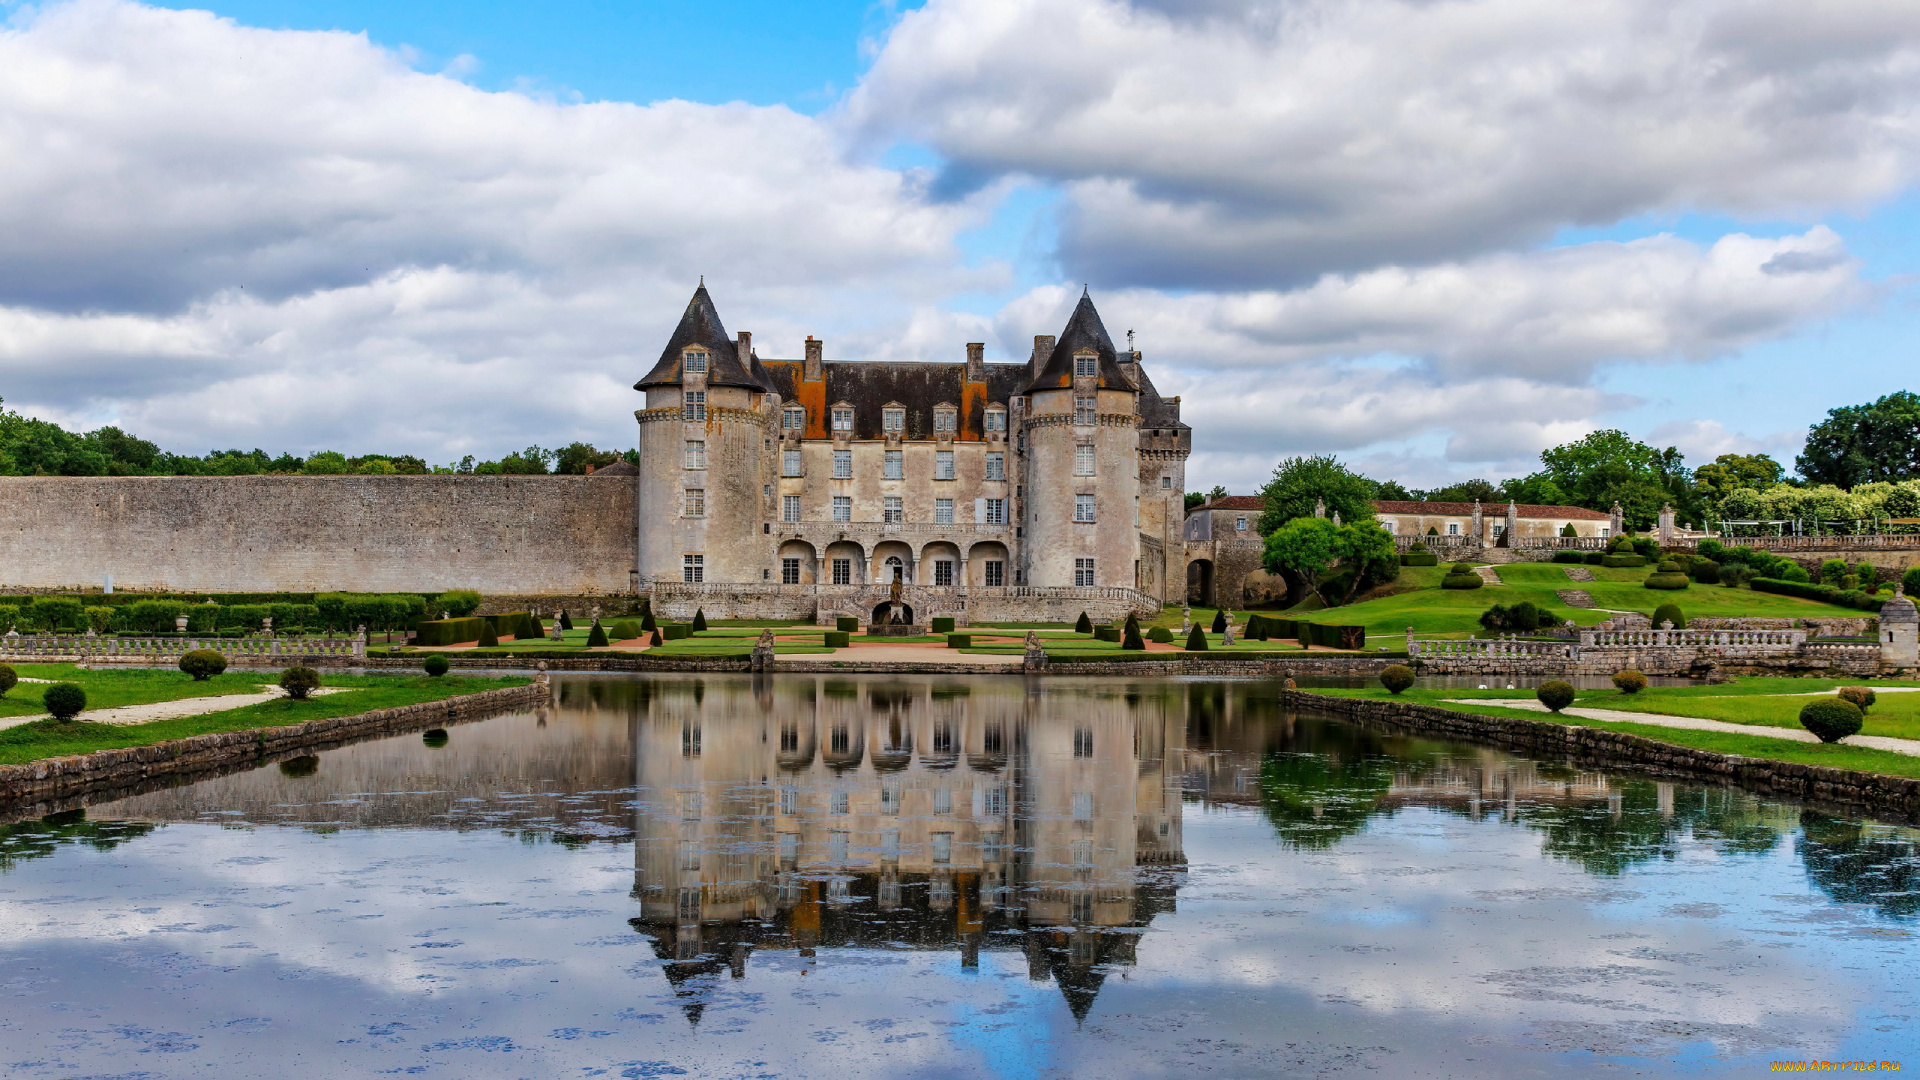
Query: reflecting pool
x=846, y=877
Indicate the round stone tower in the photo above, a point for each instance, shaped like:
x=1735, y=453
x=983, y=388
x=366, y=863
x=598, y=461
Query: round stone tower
x=1899, y=631
x=704, y=502
x=1081, y=467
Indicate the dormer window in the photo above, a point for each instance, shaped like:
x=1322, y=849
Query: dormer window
x=996, y=419
x=793, y=418
x=893, y=418
x=696, y=363
x=943, y=419
x=843, y=418
x=1085, y=366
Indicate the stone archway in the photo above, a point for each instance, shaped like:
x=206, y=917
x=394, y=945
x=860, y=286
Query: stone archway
x=888, y=613
x=1200, y=583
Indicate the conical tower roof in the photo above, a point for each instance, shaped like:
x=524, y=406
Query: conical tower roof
x=701, y=325
x=1899, y=608
x=1084, y=332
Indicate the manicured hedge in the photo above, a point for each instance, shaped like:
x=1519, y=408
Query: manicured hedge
x=943, y=624
x=1570, y=556
x=1419, y=558
x=1461, y=581
x=1807, y=590
x=846, y=624
x=1266, y=628
x=1108, y=632
x=959, y=641
x=449, y=631
x=836, y=639
x=1160, y=635
x=1623, y=561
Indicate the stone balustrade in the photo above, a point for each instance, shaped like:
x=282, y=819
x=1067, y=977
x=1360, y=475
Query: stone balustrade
x=1654, y=652
x=1443, y=652
x=170, y=649
x=1692, y=639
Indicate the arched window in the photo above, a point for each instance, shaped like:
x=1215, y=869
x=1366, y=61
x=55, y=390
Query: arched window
x=896, y=569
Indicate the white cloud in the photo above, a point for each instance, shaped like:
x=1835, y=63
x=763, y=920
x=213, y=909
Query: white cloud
x=1703, y=440
x=1243, y=142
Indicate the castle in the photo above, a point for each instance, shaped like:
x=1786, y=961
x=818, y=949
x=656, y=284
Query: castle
x=812, y=487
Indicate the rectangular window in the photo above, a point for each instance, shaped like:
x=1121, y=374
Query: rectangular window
x=696, y=454
x=943, y=420
x=837, y=846
x=789, y=508
x=890, y=846
x=890, y=798
x=996, y=465
x=1499, y=529
x=1453, y=528
x=789, y=848
x=1083, y=460
x=1606, y=531
x=789, y=571
x=996, y=573
x=993, y=847
x=842, y=419
x=996, y=420
x=943, y=511
x=693, y=568
x=689, y=852
x=1083, y=508
x=843, y=508
x=693, y=404
x=943, y=847
x=789, y=463
x=696, y=363
x=943, y=464
x=1083, y=806
x=996, y=801
x=1083, y=573
x=1166, y=483
x=942, y=800
x=943, y=571
x=696, y=503
x=1086, y=367
x=789, y=795
x=839, y=803
x=793, y=419
x=1239, y=524
x=1083, y=410
x=893, y=420
x=843, y=571
x=896, y=467
x=1083, y=742
x=843, y=464
x=891, y=513
x=996, y=511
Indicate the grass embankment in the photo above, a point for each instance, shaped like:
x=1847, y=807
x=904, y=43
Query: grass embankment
x=112, y=687
x=1769, y=702
x=47, y=738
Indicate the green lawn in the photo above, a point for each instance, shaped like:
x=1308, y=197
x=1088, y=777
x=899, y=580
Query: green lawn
x=1832, y=755
x=46, y=738
x=110, y=687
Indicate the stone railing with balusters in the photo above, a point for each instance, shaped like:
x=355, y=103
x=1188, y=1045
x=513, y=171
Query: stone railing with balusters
x=262, y=649
x=1662, y=652
x=1441, y=652
x=1788, y=640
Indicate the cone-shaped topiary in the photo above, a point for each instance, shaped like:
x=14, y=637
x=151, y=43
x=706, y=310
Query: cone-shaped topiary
x=64, y=700
x=1629, y=681
x=8, y=678
x=1862, y=697
x=1083, y=625
x=202, y=664
x=1555, y=694
x=1669, y=612
x=487, y=635
x=646, y=623
x=1397, y=678
x=299, y=681
x=1130, y=638
x=1831, y=719
x=655, y=639
x=566, y=622
x=699, y=619
x=1197, y=641
x=435, y=665
x=1220, y=621
x=597, y=637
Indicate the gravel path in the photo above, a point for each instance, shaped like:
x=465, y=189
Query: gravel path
x=168, y=710
x=1695, y=723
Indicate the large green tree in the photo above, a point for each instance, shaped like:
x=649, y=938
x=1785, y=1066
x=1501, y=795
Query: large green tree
x=1300, y=483
x=1608, y=467
x=1356, y=555
x=1863, y=444
x=1731, y=472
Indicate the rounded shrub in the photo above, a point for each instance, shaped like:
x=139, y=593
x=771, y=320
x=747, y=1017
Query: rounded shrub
x=1705, y=571
x=434, y=738
x=1669, y=612
x=202, y=664
x=1160, y=635
x=1863, y=697
x=1397, y=678
x=1734, y=575
x=1831, y=719
x=299, y=681
x=9, y=678
x=597, y=637
x=1197, y=641
x=64, y=700
x=1629, y=681
x=435, y=665
x=1555, y=694
x=1595, y=558
x=1667, y=579
x=626, y=630
x=1461, y=576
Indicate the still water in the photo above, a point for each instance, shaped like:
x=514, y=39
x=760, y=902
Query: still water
x=928, y=877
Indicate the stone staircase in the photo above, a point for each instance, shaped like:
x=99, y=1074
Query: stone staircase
x=1579, y=573
x=1488, y=575
x=1579, y=598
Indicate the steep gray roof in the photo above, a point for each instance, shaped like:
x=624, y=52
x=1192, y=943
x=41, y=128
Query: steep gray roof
x=1084, y=332
x=701, y=325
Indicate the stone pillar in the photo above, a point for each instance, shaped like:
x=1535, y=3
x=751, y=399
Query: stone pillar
x=1513, y=521
x=1479, y=526
x=976, y=361
x=1666, y=524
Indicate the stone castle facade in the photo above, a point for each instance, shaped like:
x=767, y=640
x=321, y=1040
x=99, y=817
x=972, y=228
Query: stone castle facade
x=810, y=487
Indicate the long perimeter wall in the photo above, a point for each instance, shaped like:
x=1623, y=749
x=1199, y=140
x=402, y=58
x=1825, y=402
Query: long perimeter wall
x=525, y=535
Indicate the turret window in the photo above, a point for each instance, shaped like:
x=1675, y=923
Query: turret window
x=1083, y=410
x=1083, y=577
x=996, y=465
x=793, y=419
x=893, y=419
x=696, y=362
x=696, y=502
x=693, y=569
x=996, y=419
x=696, y=454
x=842, y=418
x=1083, y=508
x=1086, y=367
x=1083, y=460
x=693, y=404
x=1166, y=483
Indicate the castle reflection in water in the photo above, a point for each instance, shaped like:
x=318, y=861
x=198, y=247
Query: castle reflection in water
x=806, y=813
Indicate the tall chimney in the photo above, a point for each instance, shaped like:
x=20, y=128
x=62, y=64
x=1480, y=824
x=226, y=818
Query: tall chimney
x=743, y=348
x=976, y=361
x=811, y=372
x=1042, y=348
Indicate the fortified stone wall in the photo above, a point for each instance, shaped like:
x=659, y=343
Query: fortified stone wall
x=525, y=535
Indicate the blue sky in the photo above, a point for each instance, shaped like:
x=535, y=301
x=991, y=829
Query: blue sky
x=1412, y=235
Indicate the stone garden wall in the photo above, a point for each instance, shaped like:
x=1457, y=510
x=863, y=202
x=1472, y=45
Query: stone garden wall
x=520, y=535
